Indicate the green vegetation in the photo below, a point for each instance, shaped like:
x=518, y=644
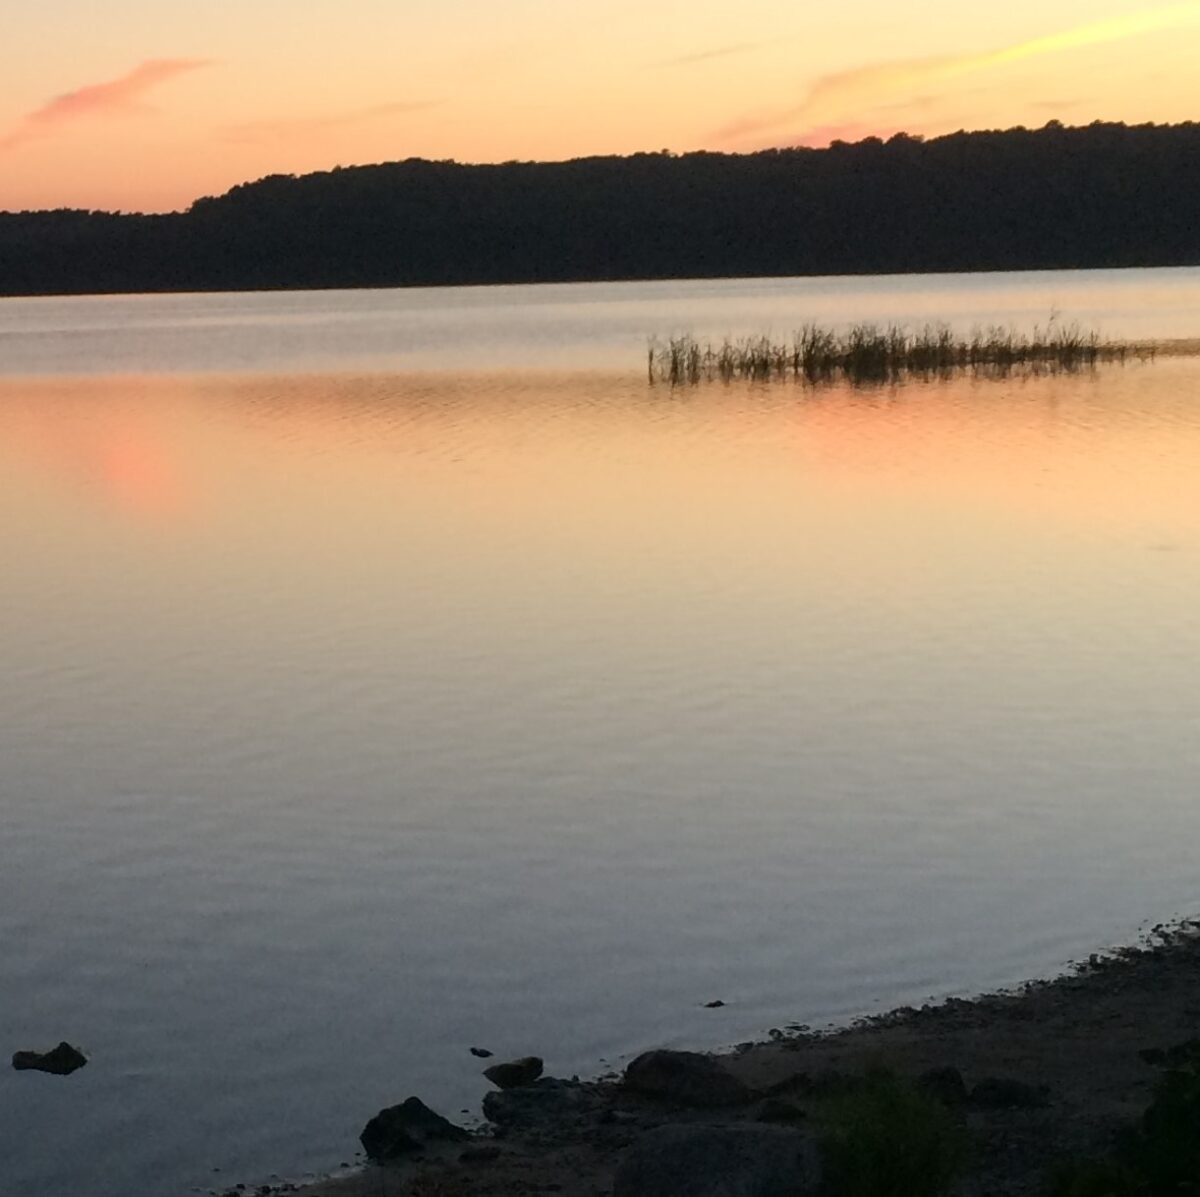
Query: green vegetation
x=867, y=353
x=881, y=1137
x=1158, y=1157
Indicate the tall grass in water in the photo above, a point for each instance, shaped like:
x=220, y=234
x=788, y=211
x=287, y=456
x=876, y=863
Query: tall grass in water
x=868, y=353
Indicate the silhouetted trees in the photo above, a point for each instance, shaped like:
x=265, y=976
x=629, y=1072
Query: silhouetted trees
x=1102, y=196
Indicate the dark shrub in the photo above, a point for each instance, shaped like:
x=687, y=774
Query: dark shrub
x=884, y=1138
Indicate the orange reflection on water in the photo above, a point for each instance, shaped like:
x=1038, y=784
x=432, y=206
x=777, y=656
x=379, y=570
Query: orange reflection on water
x=1111, y=451
x=137, y=473
x=102, y=439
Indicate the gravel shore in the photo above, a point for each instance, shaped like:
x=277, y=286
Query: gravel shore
x=1047, y=1071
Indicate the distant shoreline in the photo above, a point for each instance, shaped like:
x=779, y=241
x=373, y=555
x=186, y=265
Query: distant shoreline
x=304, y=289
x=1104, y=196
x=1086, y=1042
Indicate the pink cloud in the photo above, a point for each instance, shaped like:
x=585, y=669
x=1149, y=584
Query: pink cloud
x=115, y=97
x=858, y=95
x=833, y=98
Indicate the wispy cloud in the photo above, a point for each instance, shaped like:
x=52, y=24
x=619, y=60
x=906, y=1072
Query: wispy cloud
x=115, y=97
x=851, y=96
x=708, y=55
x=286, y=128
x=839, y=97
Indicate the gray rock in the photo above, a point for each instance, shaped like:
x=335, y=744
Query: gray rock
x=1001, y=1093
x=482, y=1053
x=59, y=1061
x=406, y=1128
x=546, y=1102
x=726, y=1161
x=516, y=1073
x=686, y=1078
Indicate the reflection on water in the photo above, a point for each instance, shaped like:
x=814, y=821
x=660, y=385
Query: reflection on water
x=352, y=720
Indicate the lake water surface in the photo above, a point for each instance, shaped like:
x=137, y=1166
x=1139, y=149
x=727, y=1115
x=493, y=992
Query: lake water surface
x=386, y=673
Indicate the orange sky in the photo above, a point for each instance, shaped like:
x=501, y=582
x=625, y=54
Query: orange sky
x=157, y=107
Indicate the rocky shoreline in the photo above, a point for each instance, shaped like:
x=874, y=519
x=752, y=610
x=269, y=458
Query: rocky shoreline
x=1046, y=1072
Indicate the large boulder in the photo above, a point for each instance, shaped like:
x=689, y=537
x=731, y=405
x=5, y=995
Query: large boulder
x=742, y=1160
x=685, y=1078
x=406, y=1128
x=515, y=1073
x=59, y=1061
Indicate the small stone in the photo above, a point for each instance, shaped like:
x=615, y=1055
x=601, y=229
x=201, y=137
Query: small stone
x=60, y=1061
x=717, y=1005
x=482, y=1053
x=516, y=1074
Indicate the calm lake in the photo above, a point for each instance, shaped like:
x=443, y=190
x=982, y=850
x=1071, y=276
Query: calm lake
x=387, y=673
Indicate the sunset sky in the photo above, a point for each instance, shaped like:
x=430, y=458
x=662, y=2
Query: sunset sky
x=141, y=105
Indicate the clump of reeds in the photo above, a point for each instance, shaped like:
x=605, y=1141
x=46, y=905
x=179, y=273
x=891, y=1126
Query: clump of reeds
x=868, y=353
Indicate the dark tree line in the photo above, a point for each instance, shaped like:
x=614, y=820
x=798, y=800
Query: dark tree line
x=1102, y=196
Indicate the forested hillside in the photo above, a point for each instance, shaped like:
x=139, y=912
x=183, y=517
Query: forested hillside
x=1105, y=195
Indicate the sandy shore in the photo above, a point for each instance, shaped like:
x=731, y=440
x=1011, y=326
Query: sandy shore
x=1077, y=1041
